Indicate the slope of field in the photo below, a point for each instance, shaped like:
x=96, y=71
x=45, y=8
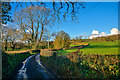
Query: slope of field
x=102, y=48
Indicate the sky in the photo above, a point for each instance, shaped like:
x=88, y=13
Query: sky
x=99, y=16
x=102, y=17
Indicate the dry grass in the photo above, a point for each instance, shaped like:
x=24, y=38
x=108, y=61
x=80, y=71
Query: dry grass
x=13, y=52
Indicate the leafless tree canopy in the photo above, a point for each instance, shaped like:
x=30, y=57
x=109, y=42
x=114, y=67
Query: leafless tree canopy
x=33, y=20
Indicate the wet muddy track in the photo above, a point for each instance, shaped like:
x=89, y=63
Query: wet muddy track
x=33, y=69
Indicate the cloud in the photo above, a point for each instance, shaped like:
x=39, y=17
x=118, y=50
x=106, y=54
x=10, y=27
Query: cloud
x=102, y=34
x=115, y=31
x=93, y=36
x=95, y=32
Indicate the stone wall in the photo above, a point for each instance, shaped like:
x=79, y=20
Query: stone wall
x=47, y=52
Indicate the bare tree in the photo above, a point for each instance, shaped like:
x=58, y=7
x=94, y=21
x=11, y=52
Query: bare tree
x=48, y=37
x=44, y=17
x=34, y=19
x=4, y=35
x=13, y=35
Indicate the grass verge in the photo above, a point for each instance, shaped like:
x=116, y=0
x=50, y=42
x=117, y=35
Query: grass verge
x=10, y=62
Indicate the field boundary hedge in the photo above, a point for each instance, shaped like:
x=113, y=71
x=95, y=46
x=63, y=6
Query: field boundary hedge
x=22, y=51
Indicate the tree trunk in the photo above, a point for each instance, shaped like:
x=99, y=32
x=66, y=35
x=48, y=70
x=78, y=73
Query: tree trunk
x=6, y=45
x=41, y=34
x=48, y=43
x=36, y=36
x=48, y=40
x=29, y=44
x=2, y=37
x=32, y=40
x=13, y=45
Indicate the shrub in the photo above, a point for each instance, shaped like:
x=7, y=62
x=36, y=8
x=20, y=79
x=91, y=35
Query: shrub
x=62, y=40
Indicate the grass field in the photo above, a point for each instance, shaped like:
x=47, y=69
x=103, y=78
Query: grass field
x=102, y=48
